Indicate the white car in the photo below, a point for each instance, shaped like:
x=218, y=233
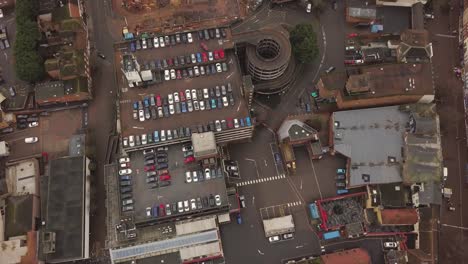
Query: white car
x=202, y=70
x=186, y=206
x=125, y=142
x=202, y=105
x=207, y=174
x=125, y=171
x=218, y=67
x=171, y=109
x=206, y=95
x=193, y=204
x=187, y=148
x=218, y=126
x=194, y=59
x=196, y=71
x=189, y=106
x=167, y=76
x=141, y=115
x=196, y=106
x=309, y=8
x=390, y=244
x=33, y=124
x=124, y=160
x=188, y=95
x=180, y=207
x=148, y=211
x=218, y=200
x=30, y=140
x=189, y=37
x=131, y=141
x=210, y=56
x=156, y=42
x=170, y=99
x=160, y=111
x=173, y=75
x=194, y=94
x=143, y=44
x=176, y=97
x=274, y=239
x=225, y=101
x=161, y=42
x=236, y=123
x=144, y=139
x=194, y=176
x=188, y=176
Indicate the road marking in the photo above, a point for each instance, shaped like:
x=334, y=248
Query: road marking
x=261, y=180
x=457, y=227
x=445, y=36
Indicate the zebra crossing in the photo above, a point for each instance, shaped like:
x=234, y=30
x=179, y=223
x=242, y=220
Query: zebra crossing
x=297, y=203
x=261, y=180
x=127, y=101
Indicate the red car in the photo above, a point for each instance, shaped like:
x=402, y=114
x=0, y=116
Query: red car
x=189, y=159
x=150, y=168
x=162, y=210
x=230, y=124
x=179, y=75
x=352, y=35
x=204, y=57
x=170, y=62
x=158, y=100
x=221, y=54
x=165, y=177
x=216, y=55
x=203, y=46
x=182, y=96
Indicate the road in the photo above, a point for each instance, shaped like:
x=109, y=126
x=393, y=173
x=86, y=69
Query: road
x=450, y=108
x=101, y=113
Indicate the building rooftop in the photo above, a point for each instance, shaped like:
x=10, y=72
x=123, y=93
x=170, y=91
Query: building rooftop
x=394, y=195
x=67, y=211
x=351, y=256
x=405, y=216
x=429, y=193
x=415, y=46
x=357, y=132
x=204, y=144
x=391, y=79
x=21, y=177
x=18, y=215
x=62, y=91
x=296, y=130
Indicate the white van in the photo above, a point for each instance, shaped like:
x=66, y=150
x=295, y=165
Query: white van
x=163, y=135
x=445, y=173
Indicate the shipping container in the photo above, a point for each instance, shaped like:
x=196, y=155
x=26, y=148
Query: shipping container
x=331, y=235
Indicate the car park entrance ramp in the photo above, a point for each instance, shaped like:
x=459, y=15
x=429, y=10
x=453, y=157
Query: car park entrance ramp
x=185, y=228
x=278, y=225
x=163, y=246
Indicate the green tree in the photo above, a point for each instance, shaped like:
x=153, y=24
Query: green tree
x=304, y=43
x=318, y=6
x=29, y=65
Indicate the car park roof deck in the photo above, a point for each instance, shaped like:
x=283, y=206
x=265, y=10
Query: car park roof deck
x=178, y=190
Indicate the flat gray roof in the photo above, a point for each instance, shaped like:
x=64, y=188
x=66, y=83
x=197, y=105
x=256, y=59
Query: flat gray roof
x=369, y=137
x=122, y=254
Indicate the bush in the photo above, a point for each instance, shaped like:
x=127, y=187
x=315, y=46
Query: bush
x=304, y=43
x=29, y=65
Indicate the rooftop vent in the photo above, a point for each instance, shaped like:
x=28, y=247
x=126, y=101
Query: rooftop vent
x=366, y=177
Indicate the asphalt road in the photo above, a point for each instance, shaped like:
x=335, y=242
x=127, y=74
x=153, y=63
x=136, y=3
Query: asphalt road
x=101, y=114
x=453, y=233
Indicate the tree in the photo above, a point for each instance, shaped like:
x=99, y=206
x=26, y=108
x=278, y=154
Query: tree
x=318, y=6
x=29, y=65
x=304, y=43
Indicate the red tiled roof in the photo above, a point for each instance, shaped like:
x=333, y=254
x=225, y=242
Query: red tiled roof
x=352, y=256
x=73, y=9
x=407, y=216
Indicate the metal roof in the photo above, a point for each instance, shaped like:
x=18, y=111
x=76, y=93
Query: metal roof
x=370, y=137
x=163, y=245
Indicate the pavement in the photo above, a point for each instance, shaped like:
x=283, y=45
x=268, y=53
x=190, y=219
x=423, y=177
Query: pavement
x=6, y=56
x=453, y=226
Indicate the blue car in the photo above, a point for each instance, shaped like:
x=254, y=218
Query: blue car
x=213, y=103
x=147, y=102
x=156, y=136
x=239, y=219
x=184, y=107
x=132, y=46
x=241, y=121
x=135, y=106
x=155, y=210
x=199, y=59
x=247, y=121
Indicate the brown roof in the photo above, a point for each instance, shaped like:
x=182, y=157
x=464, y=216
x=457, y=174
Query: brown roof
x=7, y=3
x=73, y=9
x=407, y=216
x=415, y=38
x=392, y=79
x=352, y=256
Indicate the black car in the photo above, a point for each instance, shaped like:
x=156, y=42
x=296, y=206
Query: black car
x=173, y=40
x=166, y=111
x=153, y=185
x=208, y=70
x=164, y=183
x=184, y=38
x=231, y=99
x=200, y=128
x=181, y=132
x=125, y=189
x=220, y=102
x=199, y=203
x=187, y=59
x=212, y=126
x=21, y=125
x=174, y=208
x=162, y=166
x=211, y=200
x=223, y=32
x=149, y=162
x=182, y=60
x=205, y=201
x=188, y=133
x=207, y=104
x=7, y=130
x=205, y=128
x=212, y=92
x=211, y=31
x=200, y=34
x=153, y=113
x=162, y=160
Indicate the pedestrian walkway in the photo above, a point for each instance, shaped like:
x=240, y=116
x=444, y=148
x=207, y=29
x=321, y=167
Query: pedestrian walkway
x=261, y=180
x=297, y=203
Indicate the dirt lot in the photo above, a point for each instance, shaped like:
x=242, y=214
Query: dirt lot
x=150, y=17
x=131, y=126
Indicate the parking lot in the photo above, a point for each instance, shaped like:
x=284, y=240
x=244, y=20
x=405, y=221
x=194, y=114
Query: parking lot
x=146, y=195
x=169, y=105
